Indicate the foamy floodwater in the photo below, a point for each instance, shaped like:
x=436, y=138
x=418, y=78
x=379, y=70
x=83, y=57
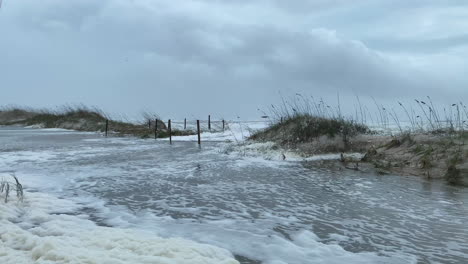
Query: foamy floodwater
x=145, y=199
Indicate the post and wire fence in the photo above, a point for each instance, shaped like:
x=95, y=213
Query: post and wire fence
x=158, y=128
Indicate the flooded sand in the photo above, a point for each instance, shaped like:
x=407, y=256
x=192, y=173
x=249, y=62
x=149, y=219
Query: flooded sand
x=261, y=211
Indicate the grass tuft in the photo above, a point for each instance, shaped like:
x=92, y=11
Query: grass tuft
x=10, y=184
x=304, y=128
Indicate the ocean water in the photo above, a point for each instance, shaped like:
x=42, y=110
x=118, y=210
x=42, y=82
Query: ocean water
x=91, y=199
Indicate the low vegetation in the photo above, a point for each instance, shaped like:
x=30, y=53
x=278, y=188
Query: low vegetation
x=9, y=183
x=311, y=126
x=430, y=142
x=83, y=118
x=428, y=155
x=302, y=128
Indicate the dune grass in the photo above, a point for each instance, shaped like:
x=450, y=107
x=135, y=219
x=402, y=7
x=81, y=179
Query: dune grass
x=83, y=118
x=314, y=118
x=302, y=128
x=419, y=138
x=302, y=120
x=9, y=184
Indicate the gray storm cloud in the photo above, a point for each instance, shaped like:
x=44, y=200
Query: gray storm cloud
x=182, y=58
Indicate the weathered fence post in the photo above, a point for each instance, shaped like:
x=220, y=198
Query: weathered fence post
x=156, y=128
x=185, y=123
x=169, y=129
x=209, y=122
x=198, y=132
x=107, y=126
x=223, y=124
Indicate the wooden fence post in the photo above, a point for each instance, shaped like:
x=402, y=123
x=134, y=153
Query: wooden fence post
x=198, y=132
x=223, y=124
x=169, y=129
x=156, y=129
x=185, y=123
x=209, y=122
x=107, y=126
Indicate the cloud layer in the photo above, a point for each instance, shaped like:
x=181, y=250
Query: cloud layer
x=228, y=58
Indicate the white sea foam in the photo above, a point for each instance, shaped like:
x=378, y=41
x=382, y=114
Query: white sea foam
x=270, y=152
x=244, y=238
x=234, y=132
x=44, y=229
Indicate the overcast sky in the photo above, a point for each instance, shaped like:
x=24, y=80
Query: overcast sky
x=188, y=58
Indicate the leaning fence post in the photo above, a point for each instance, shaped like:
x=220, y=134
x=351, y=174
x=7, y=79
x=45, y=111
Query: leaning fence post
x=107, y=126
x=156, y=129
x=170, y=131
x=209, y=122
x=198, y=132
